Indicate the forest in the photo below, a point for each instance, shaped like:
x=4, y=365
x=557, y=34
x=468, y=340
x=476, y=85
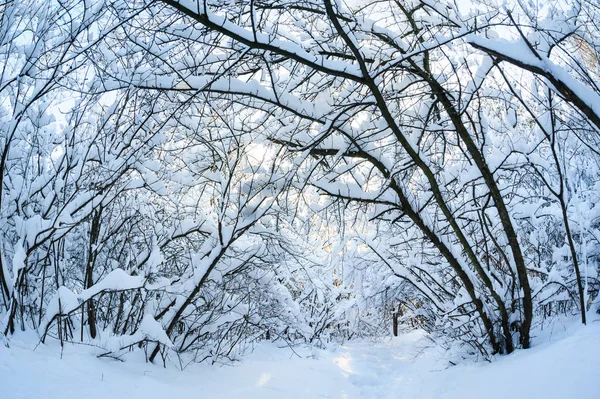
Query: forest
x=185, y=179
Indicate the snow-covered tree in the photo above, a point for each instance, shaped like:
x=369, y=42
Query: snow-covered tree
x=191, y=177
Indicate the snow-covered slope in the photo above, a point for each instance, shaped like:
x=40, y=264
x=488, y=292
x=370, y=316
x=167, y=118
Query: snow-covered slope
x=565, y=363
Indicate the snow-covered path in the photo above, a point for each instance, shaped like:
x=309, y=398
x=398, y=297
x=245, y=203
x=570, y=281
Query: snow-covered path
x=567, y=365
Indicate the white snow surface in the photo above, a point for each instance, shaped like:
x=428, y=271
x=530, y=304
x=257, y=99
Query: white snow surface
x=564, y=363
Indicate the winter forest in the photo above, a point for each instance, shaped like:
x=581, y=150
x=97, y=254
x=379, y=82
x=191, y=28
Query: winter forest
x=181, y=180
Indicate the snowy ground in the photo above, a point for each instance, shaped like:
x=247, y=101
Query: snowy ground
x=565, y=363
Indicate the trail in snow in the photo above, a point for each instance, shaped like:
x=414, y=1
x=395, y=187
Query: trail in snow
x=565, y=363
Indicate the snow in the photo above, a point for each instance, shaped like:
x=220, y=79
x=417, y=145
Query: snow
x=519, y=51
x=263, y=39
x=152, y=329
x=18, y=259
x=65, y=301
x=564, y=362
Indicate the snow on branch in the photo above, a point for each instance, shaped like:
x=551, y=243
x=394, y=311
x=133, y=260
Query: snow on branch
x=66, y=301
x=523, y=55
